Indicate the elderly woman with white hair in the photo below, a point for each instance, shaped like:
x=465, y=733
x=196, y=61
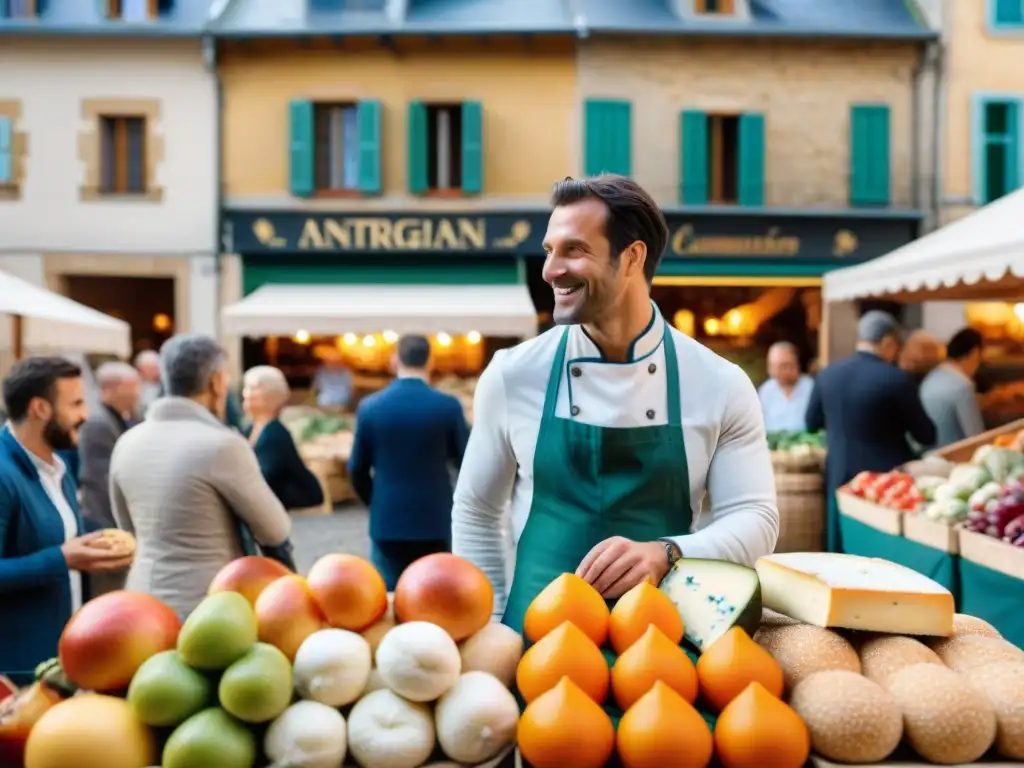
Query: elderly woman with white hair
x=265, y=392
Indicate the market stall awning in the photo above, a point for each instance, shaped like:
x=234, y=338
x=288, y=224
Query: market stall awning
x=52, y=323
x=978, y=257
x=281, y=310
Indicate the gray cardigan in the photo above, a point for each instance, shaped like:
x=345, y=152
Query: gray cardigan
x=177, y=482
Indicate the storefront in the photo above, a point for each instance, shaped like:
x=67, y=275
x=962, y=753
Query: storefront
x=737, y=281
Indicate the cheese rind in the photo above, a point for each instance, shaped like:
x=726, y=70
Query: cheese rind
x=853, y=592
x=712, y=596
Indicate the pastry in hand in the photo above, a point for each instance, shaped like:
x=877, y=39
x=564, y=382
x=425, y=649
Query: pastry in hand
x=115, y=540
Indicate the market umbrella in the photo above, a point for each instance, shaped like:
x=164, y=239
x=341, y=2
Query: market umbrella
x=45, y=322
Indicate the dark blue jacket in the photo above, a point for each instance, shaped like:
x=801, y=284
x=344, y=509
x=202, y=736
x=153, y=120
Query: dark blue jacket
x=283, y=468
x=35, y=593
x=868, y=407
x=409, y=434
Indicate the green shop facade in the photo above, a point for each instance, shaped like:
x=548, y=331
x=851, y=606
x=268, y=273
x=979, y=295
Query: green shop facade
x=440, y=258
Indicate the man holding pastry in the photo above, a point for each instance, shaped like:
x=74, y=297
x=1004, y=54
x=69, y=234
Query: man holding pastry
x=45, y=544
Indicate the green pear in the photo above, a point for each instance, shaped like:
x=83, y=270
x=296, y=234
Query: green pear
x=165, y=691
x=221, y=630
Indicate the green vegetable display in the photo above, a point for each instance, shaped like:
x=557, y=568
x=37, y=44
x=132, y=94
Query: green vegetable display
x=785, y=441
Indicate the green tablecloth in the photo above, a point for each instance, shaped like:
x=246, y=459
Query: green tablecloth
x=994, y=597
x=860, y=539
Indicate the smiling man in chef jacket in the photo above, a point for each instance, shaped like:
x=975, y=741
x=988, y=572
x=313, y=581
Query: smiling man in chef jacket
x=596, y=443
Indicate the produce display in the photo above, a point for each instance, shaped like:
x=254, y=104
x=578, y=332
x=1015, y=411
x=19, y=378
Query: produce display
x=844, y=657
x=795, y=451
x=985, y=494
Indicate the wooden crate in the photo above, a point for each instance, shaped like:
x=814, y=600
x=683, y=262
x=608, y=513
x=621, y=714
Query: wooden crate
x=873, y=515
x=962, y=450
x=931, y=533
x=994, y=554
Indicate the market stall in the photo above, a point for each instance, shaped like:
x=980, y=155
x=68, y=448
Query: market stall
x=43, y=322
x=798, y=459
x=805, y=659
x=980, y=258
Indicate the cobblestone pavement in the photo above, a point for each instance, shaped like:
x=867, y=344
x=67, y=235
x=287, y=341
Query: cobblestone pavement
x=344, y=531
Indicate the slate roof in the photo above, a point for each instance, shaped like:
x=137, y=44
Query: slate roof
x=877, y=19
x=185, y=18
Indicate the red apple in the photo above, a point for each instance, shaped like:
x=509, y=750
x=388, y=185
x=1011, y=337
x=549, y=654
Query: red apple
x=445, y=590
x=248, y=576
x=18, y=713
x=110, y=637
x=287, y=614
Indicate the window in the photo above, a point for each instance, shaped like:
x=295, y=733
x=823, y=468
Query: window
x=714, y=6
x=122, y=155
x=997, y=166
x=18, y=9
x=607, y=143
x=446, y=148
x=722, y=158
x=335, y=148
x=1006, y=13
x=137, y=10
x=870, y=151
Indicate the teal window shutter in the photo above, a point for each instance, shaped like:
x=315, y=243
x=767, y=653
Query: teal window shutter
x=472, y=147
x=418, y=172
x=693, y=186
x=6, y=150
x=368, y=119
x=1007, y=13
x=750, y=184
x=869, y=155
x=302, y=146
x=607, y=137
x=997, y=166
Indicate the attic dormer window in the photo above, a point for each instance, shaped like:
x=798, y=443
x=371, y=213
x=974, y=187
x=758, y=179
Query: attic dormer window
x=715, y=7
x=137, y=10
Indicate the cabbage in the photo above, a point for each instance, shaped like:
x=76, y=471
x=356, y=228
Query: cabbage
x=950, y=491
x=1003, y=463
x=981, y=453
x=949, y=511
x=968, y=475
x=927, y=485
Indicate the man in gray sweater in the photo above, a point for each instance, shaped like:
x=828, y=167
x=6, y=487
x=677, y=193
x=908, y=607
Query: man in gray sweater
x=948, y=393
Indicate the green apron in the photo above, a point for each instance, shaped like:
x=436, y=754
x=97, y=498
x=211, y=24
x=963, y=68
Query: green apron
x=591, y=483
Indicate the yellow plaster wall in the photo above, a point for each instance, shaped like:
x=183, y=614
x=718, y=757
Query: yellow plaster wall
x=528, y=95
x=976, y=62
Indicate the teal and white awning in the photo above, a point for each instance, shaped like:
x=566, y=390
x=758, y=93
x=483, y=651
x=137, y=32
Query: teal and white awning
x=283, y=310
x=980, y=256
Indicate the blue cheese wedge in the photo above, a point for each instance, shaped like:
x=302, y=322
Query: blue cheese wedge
x=712, y=596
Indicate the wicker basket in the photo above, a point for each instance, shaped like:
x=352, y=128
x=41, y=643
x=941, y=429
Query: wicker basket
x=801, y=511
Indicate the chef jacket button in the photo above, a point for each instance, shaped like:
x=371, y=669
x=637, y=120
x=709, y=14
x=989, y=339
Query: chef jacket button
x=575, y=410
x=652, y=368
x=575, y=371
x=650, y=413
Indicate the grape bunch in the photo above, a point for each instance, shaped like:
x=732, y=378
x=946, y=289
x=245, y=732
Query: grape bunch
x=997, y=515
x=1014, y=532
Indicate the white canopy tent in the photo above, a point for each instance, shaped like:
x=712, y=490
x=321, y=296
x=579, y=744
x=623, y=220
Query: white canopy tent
x=979, y=257
x=282, y=310
x=43, y=322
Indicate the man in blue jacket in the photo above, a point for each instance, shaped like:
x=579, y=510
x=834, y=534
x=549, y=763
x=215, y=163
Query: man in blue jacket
x=868, y=407
x=44, y=546
x=407, y=437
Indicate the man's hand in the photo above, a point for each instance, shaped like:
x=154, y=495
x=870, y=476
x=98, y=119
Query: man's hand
x=616, y=565
x=82, y=554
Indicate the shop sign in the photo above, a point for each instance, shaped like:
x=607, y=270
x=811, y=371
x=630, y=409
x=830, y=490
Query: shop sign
x=764, y=235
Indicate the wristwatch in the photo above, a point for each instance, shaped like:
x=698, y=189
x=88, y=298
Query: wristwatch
x=672, y=551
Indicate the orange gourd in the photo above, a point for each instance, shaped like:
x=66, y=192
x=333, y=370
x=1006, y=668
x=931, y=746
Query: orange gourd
x=567, y=598
x=757, y=729
x=636, y=610
x=564, y=727
x=652, y=658
x=565, y=652
x=733, y=662
x=663, y=730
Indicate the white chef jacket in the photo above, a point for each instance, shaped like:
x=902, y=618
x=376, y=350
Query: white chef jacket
x=723, y=430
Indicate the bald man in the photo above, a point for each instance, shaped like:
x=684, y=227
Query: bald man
x=786, y=394
x=119, y=397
